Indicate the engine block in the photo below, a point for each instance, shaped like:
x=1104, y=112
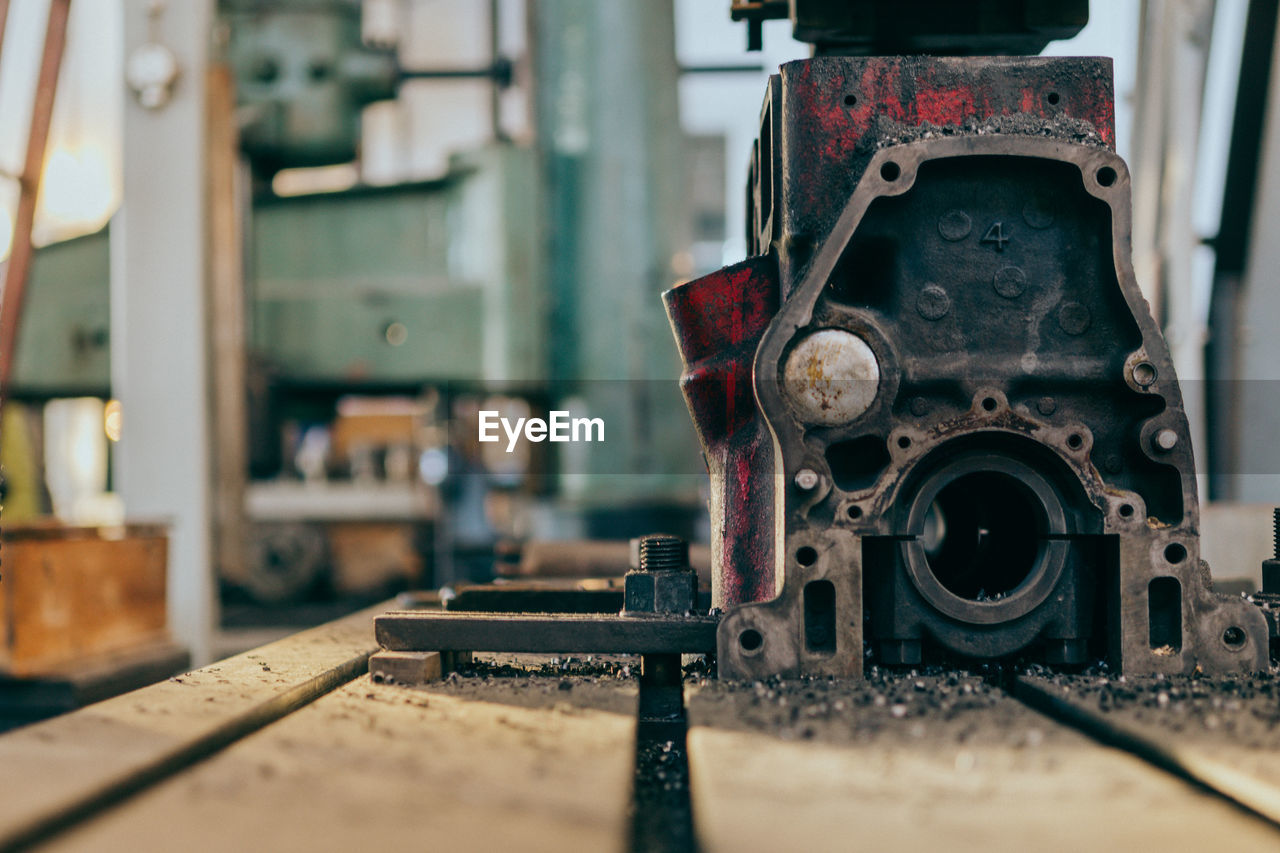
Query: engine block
x=939, y=419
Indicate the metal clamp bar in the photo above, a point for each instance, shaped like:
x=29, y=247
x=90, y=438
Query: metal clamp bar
x=545, y=632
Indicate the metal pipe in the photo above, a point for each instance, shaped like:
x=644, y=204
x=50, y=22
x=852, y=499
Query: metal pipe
x=15, y=277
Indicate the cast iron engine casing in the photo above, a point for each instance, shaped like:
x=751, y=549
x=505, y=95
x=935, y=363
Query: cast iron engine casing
x=938, y=416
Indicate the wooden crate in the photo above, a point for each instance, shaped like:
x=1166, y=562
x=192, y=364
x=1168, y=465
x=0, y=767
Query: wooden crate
x=68, y=594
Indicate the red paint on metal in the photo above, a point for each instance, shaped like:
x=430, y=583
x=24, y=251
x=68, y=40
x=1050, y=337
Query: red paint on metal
x=718, y=321
x=724, y=308
x=833, y=114
x=944, y=106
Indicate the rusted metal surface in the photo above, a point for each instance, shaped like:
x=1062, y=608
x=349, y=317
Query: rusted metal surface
x=1015, y=476
x=838, y=112
x=832, y=377
x=718, y=322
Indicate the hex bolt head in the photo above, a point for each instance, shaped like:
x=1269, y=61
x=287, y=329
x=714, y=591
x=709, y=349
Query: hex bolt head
x=661, y=580
x=807, y=479
x=1165, y=440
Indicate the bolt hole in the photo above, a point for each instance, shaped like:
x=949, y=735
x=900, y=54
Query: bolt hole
x=904, y=441
x=890, y=171
x=750, y=640
x=1175, y=553
x=1144, y=373
x=850, y=100
x=1075, y=441
x=854, y=512
x=1126, y=510
x=806, y=556
x=1106, y=176
x=265, y=69
x=320, y=71
x=1053, y=98
x=1234, y=637
x=989, y=404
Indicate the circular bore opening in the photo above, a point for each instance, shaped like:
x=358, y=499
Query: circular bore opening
x=1106, y=176
x=1126, y=510
x=1053, y=98
x=850, y=100
x=854, y=512
x=989, y=404
x=904, y=441
x=806, y=556
x=984, y=535
x=750, y=640
x=1075, y=441
x=890, y=171
x=1175, y=553
x=1144, y=373
x=1233, y=637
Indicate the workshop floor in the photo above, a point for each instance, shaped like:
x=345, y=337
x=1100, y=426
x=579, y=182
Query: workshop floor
x=289, y=748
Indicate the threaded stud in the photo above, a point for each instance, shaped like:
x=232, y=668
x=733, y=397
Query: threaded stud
x=1275, y=535
x=660, y=551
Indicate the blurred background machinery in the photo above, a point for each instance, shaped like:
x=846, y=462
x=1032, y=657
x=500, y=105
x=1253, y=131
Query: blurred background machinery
x=373, y=314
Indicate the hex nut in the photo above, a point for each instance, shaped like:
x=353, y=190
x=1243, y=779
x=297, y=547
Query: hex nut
x=638, y=592
x=675, y=592
x=667, y=591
